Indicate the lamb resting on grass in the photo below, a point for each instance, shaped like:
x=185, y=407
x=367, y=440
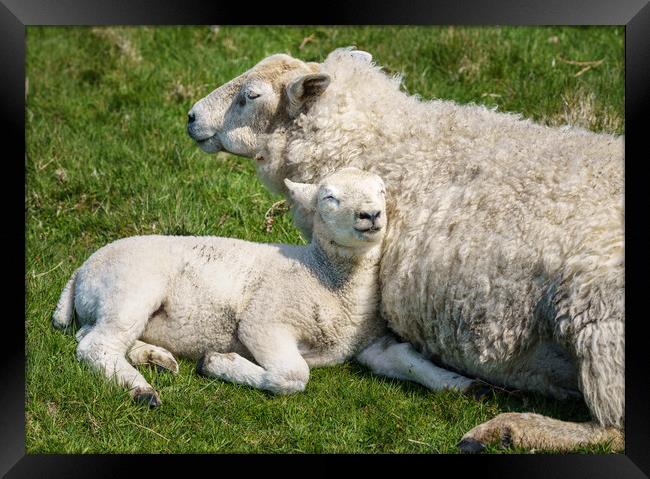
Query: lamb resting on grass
x=504, y=255
x=255, y=314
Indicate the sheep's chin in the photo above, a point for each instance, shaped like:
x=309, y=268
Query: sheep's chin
x=210, y=145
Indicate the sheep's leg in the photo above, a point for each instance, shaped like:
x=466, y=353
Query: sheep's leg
x=145, y=353
x=105, y=352
x=388, y=357
x=534, y=431
x=282, y=369
x=598, y=343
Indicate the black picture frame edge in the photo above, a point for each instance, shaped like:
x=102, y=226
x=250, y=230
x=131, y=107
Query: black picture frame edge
x=12, y=372
x=634, y=14
x=337, y=12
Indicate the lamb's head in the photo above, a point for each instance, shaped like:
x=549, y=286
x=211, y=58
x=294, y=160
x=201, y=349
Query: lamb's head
x=260, y=100
x=347, y=208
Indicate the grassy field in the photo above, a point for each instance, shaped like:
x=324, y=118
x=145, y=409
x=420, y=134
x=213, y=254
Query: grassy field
x=108, y=157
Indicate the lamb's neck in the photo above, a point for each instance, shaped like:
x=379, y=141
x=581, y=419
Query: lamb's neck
x=342, y=268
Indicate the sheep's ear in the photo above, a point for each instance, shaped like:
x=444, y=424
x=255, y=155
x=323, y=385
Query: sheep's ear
x=302, y=194
x=305, y=88
x=365, y=56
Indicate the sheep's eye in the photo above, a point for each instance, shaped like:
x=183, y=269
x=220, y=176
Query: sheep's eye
x=252, y=96
x=330, y=198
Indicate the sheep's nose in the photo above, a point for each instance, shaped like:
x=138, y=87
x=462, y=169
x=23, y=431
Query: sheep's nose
x=369, y=215
x=190, y=118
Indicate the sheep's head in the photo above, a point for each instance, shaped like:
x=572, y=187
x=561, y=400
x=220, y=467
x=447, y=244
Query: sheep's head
x=347, y=207
x=258, y=101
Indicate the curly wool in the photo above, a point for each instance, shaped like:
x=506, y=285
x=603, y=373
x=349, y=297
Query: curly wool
x=504, y=257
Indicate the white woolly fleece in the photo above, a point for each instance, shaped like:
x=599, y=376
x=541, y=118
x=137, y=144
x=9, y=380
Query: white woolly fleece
x=505, y=254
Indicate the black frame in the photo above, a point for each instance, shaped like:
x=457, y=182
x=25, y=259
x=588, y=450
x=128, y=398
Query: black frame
x=16, y=14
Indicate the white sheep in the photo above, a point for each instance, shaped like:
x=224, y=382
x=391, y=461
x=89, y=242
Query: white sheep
x=504, y=257
x=256, y=314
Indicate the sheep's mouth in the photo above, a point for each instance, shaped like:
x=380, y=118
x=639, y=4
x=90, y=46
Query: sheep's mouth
x=210, y=144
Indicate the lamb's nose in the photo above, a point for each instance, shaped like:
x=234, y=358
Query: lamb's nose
x=369, y=215
x=190, y=118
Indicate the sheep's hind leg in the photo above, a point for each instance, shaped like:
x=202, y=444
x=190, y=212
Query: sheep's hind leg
x=145, y=353
x=600, y=347
x=598, y=341
x=534, y=431
x=388, y=357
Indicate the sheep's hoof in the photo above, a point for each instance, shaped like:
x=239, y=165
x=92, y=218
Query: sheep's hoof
x=200, y=364
x=147, y=396
x=470, y=446
x=479, y=390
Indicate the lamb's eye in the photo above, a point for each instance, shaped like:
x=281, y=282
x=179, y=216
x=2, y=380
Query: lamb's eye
x=252, y=96
x=331, y=198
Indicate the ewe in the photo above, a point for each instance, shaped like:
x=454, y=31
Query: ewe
x=228, y=302
x=504, y=257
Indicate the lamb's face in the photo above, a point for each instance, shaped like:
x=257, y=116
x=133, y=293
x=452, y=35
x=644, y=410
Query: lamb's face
x=233, y=116
x=348, y=207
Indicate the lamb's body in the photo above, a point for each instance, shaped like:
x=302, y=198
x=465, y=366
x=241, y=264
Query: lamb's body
x=504, y=256
x=202, y=288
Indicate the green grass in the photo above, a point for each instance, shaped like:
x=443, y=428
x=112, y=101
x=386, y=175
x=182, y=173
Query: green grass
x=108, y=157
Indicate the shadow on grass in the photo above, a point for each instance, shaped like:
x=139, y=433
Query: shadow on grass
x=504, y=400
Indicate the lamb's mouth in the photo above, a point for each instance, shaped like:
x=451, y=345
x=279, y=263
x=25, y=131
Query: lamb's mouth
x=369, y=231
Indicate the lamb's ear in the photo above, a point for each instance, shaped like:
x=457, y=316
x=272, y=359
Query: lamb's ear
x=306, y=88
x=302, y=195
x=365, y=56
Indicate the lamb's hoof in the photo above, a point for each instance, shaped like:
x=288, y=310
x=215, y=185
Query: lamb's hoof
x=470, y=446
x=479, y=390
x=148, y=397
x=163, y=360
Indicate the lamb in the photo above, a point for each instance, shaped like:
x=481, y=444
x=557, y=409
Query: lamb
x=504, y=256
x=255, y=314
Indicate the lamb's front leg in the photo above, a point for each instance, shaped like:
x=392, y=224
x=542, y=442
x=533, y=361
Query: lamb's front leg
x=388, y=357
x=282, y=369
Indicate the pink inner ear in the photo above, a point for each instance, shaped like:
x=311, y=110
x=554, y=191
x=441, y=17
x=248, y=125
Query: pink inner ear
x=314, y=86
